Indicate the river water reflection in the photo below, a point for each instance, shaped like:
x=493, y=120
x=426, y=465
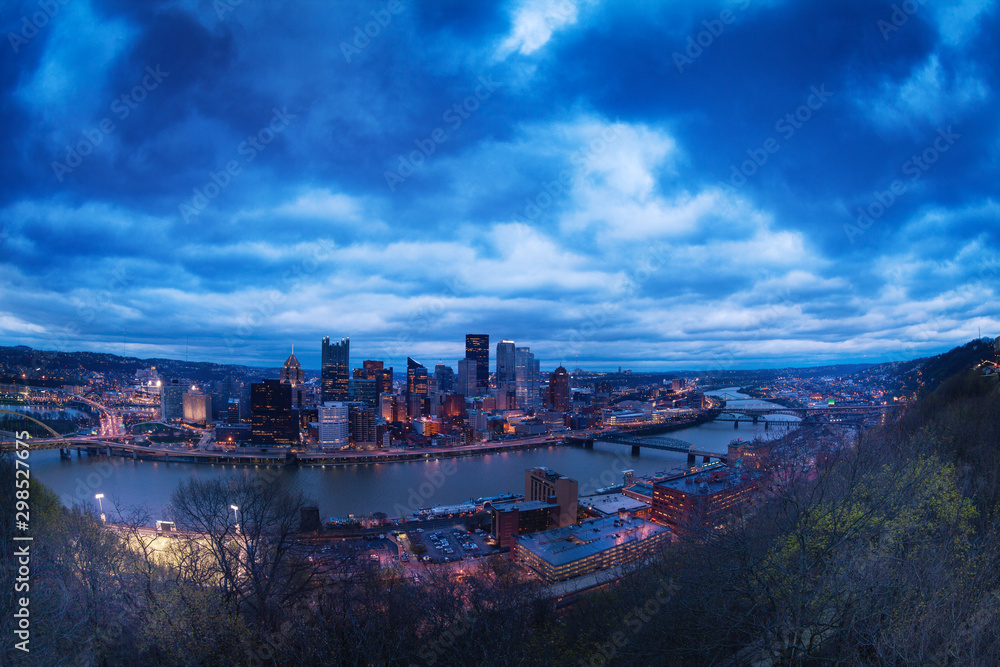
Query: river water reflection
x=389, y=487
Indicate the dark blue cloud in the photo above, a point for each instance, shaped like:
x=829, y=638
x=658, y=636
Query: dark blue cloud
x=286, y=176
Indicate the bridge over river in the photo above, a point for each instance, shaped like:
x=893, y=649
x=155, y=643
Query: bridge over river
x=638, y=442
x=838, y=414
x=841, y=414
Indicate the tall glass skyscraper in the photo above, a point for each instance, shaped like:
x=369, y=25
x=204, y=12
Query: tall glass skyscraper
x=445, y=377
x=416, y=377
x=271, y=416
x=527, y=379
x=477, y=348
x=466, y=377
x=335, y=371
x=505, y=361
x=506, y=384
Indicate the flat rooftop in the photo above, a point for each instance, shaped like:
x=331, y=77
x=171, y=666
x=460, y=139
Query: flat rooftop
x=521, y=506
x=548, y=473
x=560, y=546
x=611, y=503
x=643, y=486
x=703, y=481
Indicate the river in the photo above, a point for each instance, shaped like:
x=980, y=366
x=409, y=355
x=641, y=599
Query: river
x=387, y=487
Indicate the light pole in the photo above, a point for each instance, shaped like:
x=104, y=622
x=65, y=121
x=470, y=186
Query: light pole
x=236, y=511
x=100, y=505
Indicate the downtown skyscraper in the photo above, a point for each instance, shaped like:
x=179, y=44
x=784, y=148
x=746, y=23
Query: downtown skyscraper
x=506, y=380
x=335, y=370
x=466, y=382
x=416, y=389
x=527, y=379
x=416, y=378
x=477, y=348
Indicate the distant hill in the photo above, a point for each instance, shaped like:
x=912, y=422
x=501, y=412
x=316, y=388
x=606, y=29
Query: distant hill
x=21, y=362
x=922, y=376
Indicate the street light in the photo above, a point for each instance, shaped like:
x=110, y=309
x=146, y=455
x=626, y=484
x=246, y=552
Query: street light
x=236, y=511
x=100, y=505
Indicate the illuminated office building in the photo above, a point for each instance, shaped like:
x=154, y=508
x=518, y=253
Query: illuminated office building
x=416, y=377
x=272, y=420
x=527, y=378
x=477, y=349
x=334, y=372
x=559, y=394
x=334, y=429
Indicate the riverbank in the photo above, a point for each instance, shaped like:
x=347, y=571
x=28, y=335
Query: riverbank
x=676, y=425
x=307, y=459
x=286, y=458
x=754, y=392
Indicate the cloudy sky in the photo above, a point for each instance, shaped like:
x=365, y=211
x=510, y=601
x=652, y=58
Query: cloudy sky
x=653, y=184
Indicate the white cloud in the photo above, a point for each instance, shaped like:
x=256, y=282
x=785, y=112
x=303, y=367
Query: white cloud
x=12, y=325
x=321, y=204
x=534, y=22
x=931, y=94
x=958, y=20
x=80, y=48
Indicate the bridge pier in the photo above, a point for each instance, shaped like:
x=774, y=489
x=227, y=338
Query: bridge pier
x=706, y=460
x=736, y=423
x=588, y=443
x=64, y=453
x=755, y=418
x=765, y=424
x=691, y=460
x=635, y=450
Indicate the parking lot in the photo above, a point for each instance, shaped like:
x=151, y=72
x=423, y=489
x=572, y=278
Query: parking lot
x=444, y=545
x=380, y=548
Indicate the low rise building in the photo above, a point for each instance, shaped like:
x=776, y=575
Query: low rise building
x=549, y=486
x=641, y=490
x=232, y=434
x=705, y=497
x=614, y=504
x=595, y=544
x=510, y=519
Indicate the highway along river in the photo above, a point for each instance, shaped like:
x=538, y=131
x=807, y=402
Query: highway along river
x=385, y=487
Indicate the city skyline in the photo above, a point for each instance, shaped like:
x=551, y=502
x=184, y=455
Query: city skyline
x=615, y=184
x=546, y=367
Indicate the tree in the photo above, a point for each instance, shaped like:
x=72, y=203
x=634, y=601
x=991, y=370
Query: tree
x=255, y=564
